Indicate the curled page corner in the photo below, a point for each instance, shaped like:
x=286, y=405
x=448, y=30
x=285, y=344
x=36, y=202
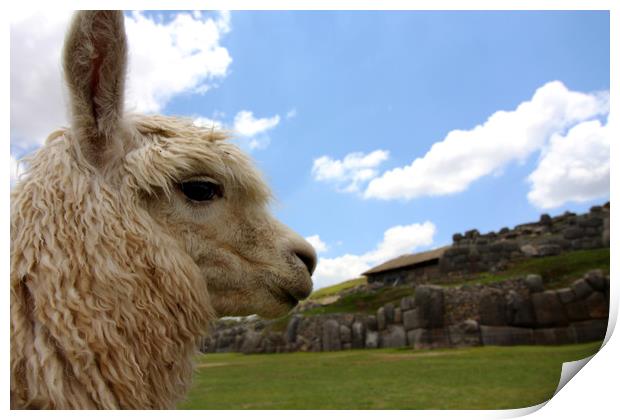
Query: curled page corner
x=521, y=412
x=569, y=370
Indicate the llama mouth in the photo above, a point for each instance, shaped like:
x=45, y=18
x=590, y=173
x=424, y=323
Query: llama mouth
x=285, y=296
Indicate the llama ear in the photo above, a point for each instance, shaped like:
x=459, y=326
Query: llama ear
x=95, y=61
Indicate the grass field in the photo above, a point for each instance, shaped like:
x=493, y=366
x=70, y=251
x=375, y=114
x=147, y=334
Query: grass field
x=471, y=378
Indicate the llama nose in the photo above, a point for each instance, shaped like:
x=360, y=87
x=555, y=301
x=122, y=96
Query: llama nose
x=306, y=253
x=308, y=258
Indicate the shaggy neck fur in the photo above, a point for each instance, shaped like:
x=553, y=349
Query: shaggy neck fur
x=105, y=308
x=111, y=259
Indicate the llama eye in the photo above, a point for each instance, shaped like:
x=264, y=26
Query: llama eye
x=200, y=190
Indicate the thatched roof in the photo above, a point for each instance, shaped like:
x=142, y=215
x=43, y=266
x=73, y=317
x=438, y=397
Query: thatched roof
x=408, y=260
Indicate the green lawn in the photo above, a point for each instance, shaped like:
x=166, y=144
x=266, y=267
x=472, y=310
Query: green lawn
x=472, y=378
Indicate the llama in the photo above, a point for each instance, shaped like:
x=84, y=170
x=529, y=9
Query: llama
x=129, y=234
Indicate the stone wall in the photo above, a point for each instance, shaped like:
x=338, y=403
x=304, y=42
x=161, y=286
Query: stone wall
x=516, y=311
x=473, y=252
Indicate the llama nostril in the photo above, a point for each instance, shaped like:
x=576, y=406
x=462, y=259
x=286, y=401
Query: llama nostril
x=308, y=257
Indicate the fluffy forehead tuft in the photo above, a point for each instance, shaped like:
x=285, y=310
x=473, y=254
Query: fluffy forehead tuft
x=169, y=150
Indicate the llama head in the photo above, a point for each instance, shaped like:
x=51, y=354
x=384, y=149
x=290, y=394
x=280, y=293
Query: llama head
x=186, y=182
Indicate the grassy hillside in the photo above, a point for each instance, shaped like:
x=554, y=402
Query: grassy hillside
x=556, y=271
x=337, y=288
x=472, y=378
x=363, y=301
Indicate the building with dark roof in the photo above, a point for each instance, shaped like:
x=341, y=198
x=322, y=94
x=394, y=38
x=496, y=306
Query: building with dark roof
x=409, y=268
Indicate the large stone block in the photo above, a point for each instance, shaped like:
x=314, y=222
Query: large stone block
x=466, y=333
x=566, y=295
x=224, y=343
x=291, y=328
x=581, y=288
x=473, y=233
x=371, y=323
x=345, y=334
x=418, y=337
x=593, y=330
x=548, y=309
x=547, y=250
x=573, y=232
x=389, y=313
x=493, y=308
x=393, y=337
x=429, y=300
x=358, y=335
x=238, y=340
x=347, y=319
x=251, y=342
x=505, y=336
x=207, y=345
x=428, y=338
x=510, y=246
x=331, y=335
x=310, y=330
x=267, y=346
x=576, y=311
x=407, y=303
x=596, y=280
x=520, y=311
x=372, y=339
x=398, y=316
x=534, y=283
x=529, y=250
x=598, y=306
x=591, y=222
x=411, y=319
x=554, y=336
x=459, y=259
x=381, y=319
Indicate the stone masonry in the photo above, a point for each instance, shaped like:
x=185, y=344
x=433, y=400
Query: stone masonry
x=512, y=312
x=473, y=252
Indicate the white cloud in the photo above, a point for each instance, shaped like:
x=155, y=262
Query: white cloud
x=182, y=55
x=247, y=125
x=316, y=242
x=464, y=156
x=575, y=167
x=397, y=240
x=251, y=132
x=351, y=172
x=37, y=105
x=291, y=113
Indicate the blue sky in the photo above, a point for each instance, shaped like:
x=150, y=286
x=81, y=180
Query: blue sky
x=335, y=108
